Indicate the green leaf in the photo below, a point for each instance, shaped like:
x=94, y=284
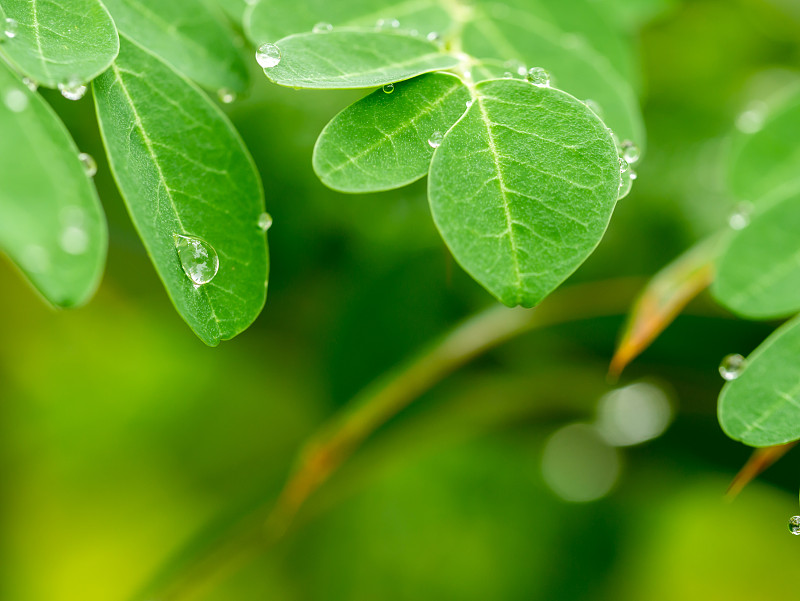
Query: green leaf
x=188, y=35
x=344, y=59
x=503, y=33
x=51, y=222
x=769, y=159
x=270, y=20
x=60, y=42
x=183, y=169
x=383, y=141
x=523, y=187
x=762, y=406
x=759, y=273
x=235, y=9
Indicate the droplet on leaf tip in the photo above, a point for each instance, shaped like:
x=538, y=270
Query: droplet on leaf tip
x=72, y=89
x=268, y=55
x=732, y=366
x=198, y=259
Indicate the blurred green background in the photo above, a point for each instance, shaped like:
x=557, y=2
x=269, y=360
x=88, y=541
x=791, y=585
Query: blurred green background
x=122, y=437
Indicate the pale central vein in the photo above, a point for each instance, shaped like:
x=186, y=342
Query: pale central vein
x=38, y=37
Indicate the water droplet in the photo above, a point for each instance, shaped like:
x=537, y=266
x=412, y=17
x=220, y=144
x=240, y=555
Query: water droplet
x=74, y=240
x=89, y=164
x=436, y=139
x=10, y=28
x=508, y=75
x=469, y=103
x=626, y=177
x=226, y=96
x=16, y=100
x=732, y=367
x=32, y=85
x=268, y=55
x=388, y=88
x=394, y=24
x=594, y=106
x=794, y=524
x=538, y=77
x=517, y=67
x=265, y=221
x=322, y=27
x=752, y=119
x=740, y=218
x=433, y=36
x=198, y=258
x=72, y=90
x=630, y=152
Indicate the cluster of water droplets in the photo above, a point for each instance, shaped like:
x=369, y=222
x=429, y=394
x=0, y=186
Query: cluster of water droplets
x=198, y=259
x=732, y=366
x=629, y=155
x=10, y=27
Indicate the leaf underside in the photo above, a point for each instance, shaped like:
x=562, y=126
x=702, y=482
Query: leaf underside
x=523, y=187
x=183, y=169
x=384, y=140
x=51, y=222
x=352, y=59
x=60, y=42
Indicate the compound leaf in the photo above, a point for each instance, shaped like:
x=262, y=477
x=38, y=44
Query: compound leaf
x=188, y=35
x=523, y=187
x=386, y=141
x=343, y=59
x=60, y=42
x=184, y=170
x=51, y=222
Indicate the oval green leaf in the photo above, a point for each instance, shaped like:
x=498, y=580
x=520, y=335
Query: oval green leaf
x=759, y=273
x=386, y=141
x=762, y=406
x=182, y=169
x=352, y=59
x=51, y=222
x=523, y=187
x=270, y=20
x=60, y=42
x=187, y=34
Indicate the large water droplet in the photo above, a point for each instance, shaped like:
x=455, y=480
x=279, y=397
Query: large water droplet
x=268, y=55
x=630, y=152
x=89, y=164
x=740, y=217
x=226, y=96
x=322, y=28
x=732, y=367
x=436, y=139
x=198, y=258
x=72, y=90
x=538, y=77
x=388, y=88
x=10, y=27
x=264, y=221
x=16, y=100
x=794, y=524
x=626, y=177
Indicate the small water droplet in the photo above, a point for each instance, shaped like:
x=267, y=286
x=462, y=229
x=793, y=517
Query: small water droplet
x=469, y=103
x=538, y=77
x=630, y=152
x=732, y=367
x=198, y=258
x=226, y=96
x=436, y=139
x=72, y=90
x=517, y=67
x=32, y=85
x=752, y=119
x=626, y=177
x=16, y=100
x=508, y=75
x=322, y=27
x=740, y=217
x=268, y=55
x=433, y=36
x=89, y=164
x=10, y=28
x=74, y=240
x=794, y=524
x=388, y=88
x=264, y=221
x=394, y=24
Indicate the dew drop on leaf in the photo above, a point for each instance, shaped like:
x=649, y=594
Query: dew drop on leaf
x=517, y=67
x=394, y=24
x=433, y=36
x=264, y=221
x=226, y=96
x=89, y=164
x=740, y=217
x=630, y=152
x=322, y=27
x=10, y=27
x=72, y=90
x=32, y=85
x=268, y=55
x=16, y=100
x=436, y=139
x=732, y=367
x=538, y=77
x=469, y=103
x=198, y=258
x=626, y=177
x=794, y=524
x=388, y=88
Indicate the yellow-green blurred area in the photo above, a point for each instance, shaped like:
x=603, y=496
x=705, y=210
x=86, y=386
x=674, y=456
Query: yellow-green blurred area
x=125, y=443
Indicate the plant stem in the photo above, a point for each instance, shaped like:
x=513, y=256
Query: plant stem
x=385, y=398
